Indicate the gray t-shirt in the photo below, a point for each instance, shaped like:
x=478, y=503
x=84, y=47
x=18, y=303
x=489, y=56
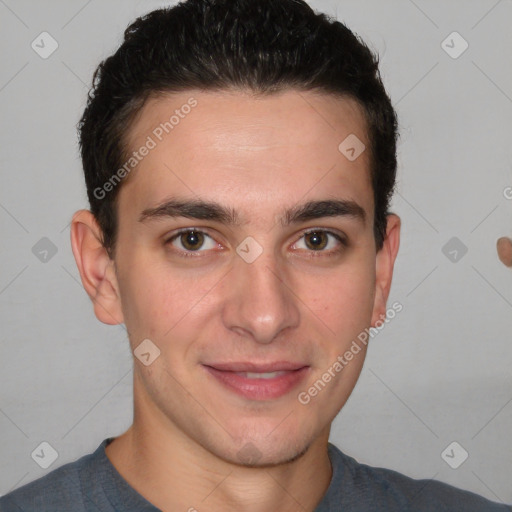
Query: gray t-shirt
x=92, y=484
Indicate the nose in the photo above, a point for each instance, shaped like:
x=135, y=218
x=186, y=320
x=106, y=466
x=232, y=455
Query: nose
x=260, y=303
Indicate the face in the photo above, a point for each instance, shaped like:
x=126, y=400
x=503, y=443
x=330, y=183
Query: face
x=250, y=295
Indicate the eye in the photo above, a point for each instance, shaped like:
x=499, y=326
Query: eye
x=192, y=240
x=321, y=240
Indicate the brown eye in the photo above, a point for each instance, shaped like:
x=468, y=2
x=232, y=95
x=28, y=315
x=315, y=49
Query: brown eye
x=191, y=240
x=321, y=241
x=316, y=240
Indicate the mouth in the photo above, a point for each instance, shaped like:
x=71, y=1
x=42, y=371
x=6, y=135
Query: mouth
x=266, y=381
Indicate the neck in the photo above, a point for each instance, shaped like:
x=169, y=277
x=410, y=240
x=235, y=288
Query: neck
x=173, y=472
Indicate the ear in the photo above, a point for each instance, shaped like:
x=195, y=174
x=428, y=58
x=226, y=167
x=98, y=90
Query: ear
x=384, y=264
x=97, y=270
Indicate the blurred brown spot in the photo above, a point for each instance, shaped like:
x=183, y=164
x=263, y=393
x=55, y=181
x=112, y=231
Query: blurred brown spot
x=504, y=246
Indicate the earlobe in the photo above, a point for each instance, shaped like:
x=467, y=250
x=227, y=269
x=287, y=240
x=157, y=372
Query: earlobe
x=384, y=265
x=95, y=267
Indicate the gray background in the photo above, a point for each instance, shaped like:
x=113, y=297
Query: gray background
x=438, y=373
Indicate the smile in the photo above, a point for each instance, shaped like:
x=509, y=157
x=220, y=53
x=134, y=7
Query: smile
x=266, y=382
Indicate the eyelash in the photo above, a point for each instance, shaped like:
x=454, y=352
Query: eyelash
x=314, y=254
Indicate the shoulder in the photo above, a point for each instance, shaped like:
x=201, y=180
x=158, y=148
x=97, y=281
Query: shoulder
x=363, y=487
x=58, y=491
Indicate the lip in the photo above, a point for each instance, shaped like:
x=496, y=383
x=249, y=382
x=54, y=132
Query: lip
x=231, y=376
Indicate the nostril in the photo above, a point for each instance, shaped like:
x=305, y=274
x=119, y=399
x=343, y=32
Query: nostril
x=504, y=247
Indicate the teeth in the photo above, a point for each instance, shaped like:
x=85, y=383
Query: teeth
x=270, y=375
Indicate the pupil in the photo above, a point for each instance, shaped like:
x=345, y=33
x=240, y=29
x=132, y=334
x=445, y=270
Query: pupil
x=316, y=240
x=192, y=239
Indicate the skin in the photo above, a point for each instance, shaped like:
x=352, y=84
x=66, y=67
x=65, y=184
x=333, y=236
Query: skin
x=257, y=155
x=504, y=248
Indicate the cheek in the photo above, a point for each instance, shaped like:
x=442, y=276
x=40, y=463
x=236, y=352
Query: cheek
x=344, y=300
x=158, y=302
x=145, y=296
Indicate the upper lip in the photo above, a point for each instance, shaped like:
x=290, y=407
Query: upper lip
x=257, y=367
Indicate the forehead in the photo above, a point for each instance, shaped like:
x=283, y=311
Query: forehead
x=248, y=151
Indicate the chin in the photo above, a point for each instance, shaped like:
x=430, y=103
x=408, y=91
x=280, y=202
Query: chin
x=263, y=450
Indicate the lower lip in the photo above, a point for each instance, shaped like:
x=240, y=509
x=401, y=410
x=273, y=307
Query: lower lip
x=260, y=389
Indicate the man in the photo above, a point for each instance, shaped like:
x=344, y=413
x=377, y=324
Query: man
x=239, y=158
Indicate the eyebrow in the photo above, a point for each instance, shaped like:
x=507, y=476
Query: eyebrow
x=208, y=210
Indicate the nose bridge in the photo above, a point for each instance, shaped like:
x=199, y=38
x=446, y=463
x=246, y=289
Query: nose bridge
x=260, y=304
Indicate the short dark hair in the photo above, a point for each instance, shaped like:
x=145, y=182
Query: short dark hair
x=263, y=46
